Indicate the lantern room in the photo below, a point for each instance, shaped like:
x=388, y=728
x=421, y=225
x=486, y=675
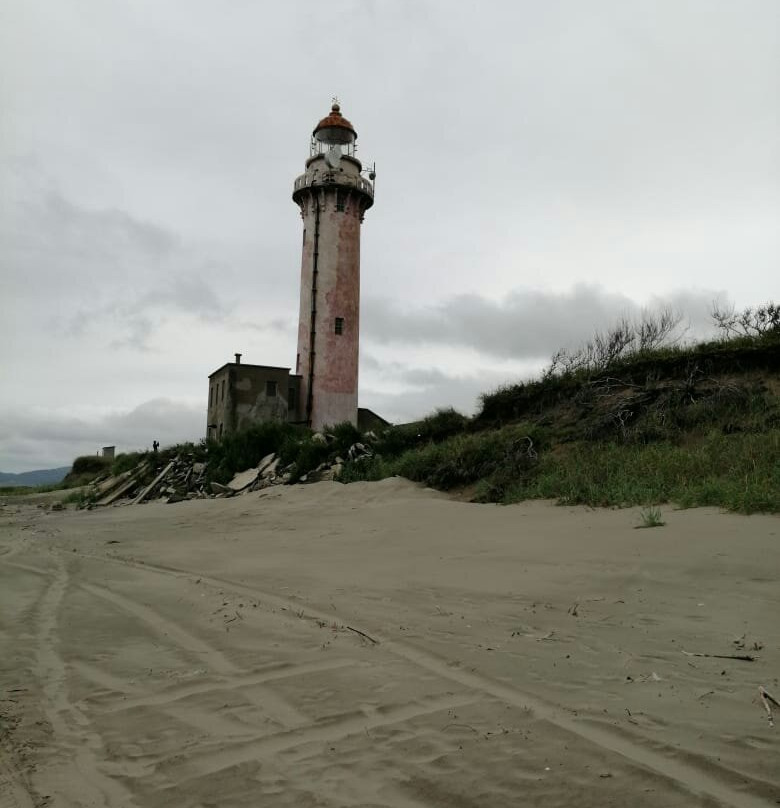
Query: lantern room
x=334, y=135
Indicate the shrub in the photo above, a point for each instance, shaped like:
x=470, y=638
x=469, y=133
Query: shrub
x=435, y=428
x=305, y=455
x=90, y=464
x=573, y=375
x=81, y=499
x=651, y=517
x=739, y=472
x=242, y=450
x=749, y=322
x=459, y=460
x=85, y=469
x=127, y=460
x=345, y=435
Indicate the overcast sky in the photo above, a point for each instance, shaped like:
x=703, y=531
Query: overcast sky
x=542, y=168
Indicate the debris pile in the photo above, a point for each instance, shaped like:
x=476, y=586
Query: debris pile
x=331, y=469
x=184, y=478
x=179, y=479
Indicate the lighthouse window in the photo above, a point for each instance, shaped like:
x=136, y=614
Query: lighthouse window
x=341, y=199
x=339, y=329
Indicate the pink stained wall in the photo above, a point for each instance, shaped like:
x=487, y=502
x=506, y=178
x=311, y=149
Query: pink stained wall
x=338, y=295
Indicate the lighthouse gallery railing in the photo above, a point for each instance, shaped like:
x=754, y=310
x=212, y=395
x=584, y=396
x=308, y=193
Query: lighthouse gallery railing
x=308, y=181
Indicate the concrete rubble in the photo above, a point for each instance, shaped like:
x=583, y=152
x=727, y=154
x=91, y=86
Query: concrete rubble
x=183, y=479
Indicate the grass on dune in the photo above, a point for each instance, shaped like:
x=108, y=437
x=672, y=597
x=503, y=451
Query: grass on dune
x=739, y=472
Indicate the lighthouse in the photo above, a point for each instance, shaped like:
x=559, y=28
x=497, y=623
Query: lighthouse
x=333, y=195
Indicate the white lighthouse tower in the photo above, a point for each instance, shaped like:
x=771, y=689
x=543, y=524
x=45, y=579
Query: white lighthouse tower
x=333, y=195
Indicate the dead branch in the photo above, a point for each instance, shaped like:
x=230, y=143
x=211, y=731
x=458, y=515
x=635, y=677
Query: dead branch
x=743, y=657
x=767, y=699
x=363, y=634
x=750, y=322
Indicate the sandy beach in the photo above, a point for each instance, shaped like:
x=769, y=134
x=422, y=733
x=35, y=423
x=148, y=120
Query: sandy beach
x=380, y=644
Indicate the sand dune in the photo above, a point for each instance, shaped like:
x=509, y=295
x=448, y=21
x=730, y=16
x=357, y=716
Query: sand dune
x=379, y=644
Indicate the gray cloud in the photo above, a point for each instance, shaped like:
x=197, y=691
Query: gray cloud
x=113, y=271
x=525, y=324
x=429, y=389
x=139, y=317
x=34, y=439
x=542, y=168
x=102, y=231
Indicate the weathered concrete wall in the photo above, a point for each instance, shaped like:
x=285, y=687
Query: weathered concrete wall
x=239, y=396
x=216, y=417
x=333, y=293
x=251, y=403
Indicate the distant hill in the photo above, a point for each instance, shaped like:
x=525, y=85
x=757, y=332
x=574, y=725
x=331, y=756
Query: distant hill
x=40, y=477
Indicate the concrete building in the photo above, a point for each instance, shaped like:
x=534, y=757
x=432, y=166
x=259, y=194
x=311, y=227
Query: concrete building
x=333, y=196
x=242, y=395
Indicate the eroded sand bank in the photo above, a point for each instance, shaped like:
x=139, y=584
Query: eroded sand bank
x=381, y=645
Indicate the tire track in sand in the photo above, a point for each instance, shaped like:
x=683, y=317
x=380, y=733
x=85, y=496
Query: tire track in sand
x=226, y=756
x=230, y=676
x=73, y=738
x=16, y=789
x=14, y=792
x=685, y=775
x=178, y=692
x=166, y=629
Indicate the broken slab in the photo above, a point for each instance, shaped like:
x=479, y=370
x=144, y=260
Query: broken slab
x=103, y=487
x=149, y=488
x=243, y=479
x=123, y=489
x=270, y=469
x=221, y=490
x=265, y=462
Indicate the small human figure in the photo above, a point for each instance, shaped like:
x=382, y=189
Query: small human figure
x=155, y=446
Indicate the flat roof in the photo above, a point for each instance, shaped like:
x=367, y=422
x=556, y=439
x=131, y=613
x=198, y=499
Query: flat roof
x=247, y=365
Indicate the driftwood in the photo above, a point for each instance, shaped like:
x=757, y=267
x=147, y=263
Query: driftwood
x=743, y=657
x=111, y=483
x=149, y=488
x=767, y=699
x=124, y=488
x=363, y=634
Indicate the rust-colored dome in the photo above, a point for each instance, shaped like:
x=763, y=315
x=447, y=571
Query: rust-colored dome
x=335, y=118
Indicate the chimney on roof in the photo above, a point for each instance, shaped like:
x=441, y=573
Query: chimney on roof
x=238, y=358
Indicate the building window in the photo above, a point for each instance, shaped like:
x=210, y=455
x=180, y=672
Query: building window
x=341, y=199
x=211, y=395
x=339, y=328
x=270, y=389
x=291, y=403
x=220, y=431
x=222, y=397
x=304, y=235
